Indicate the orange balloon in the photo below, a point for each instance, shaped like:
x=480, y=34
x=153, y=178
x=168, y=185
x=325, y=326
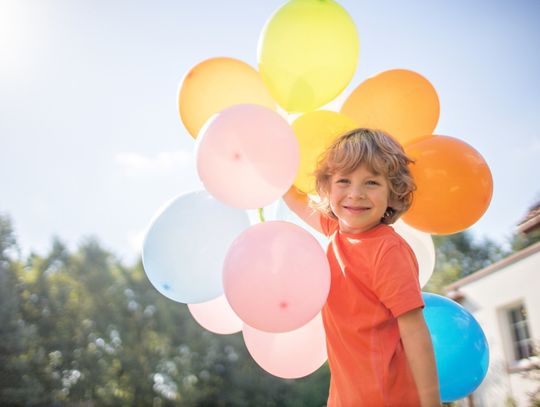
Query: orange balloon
x=454, y=185
x=215, y=84
x=400, y=102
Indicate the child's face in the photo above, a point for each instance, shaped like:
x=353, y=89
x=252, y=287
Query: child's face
x=358, y=199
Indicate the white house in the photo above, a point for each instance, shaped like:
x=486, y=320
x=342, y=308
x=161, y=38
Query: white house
x=505, y=300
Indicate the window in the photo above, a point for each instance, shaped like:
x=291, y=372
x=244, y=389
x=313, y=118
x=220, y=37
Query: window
x=521, y=340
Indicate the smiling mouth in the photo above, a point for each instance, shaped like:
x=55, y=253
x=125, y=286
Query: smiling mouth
x=356, y=208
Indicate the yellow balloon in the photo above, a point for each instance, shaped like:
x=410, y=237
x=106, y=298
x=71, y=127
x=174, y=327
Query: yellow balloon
x=315, y=132
x=400, y=102
x=215, y=84
x=308, y=52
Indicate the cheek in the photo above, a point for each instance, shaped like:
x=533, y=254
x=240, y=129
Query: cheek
x=330, y=192
x=336, y=195
x=391, y=199
x=334, y=199
x=383, y=200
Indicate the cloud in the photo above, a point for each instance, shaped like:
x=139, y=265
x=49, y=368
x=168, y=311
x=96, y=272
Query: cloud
x=162, y=164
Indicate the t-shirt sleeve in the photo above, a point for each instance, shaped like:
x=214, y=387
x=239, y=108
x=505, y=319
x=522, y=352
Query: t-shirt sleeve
x=396, y=280
x=328, y=225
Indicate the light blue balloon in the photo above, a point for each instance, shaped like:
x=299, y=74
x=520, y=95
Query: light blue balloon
x=460, y=346
x=186, y=244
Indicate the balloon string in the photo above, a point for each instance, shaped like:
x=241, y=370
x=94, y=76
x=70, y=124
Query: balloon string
x=261, y=214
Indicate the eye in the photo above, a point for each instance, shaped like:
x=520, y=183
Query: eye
x=373, y=182
x=342, y=181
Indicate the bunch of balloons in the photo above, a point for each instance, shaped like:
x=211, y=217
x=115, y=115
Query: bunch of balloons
x=270, y=280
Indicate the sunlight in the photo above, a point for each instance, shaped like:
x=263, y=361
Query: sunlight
x=21, y=36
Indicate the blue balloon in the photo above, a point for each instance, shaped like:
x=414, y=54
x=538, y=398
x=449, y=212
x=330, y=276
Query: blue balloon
x=460, y=346
x=186, y=244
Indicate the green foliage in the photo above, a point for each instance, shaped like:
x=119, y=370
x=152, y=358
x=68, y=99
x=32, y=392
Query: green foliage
x=443, y=276
x=14, y=334
x=464, y=253
x=459, y=255
x=520, y=241
x=81, y=328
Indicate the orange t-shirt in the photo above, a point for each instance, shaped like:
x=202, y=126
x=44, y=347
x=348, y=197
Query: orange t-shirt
x=374, y=280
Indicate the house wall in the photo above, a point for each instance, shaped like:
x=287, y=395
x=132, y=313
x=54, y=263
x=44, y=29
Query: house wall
x=487, y=299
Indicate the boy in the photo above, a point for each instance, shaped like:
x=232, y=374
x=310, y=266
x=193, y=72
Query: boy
x=379, y=348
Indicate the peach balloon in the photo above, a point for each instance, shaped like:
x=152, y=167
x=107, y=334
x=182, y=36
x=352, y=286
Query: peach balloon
x=454, y=185
x=215, y=84
x=276, y=276
x=247, y=156
x=216, y=316
x=315, y=131
x=289, y=355
x=400, y=102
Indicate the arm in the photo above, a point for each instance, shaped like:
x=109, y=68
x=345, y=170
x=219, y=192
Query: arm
x=298, y=202
x=419, y=350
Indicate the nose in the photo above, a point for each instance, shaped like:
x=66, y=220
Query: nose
x=357, y=192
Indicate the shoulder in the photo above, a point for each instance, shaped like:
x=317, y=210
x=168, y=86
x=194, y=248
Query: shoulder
x=396, y=269
x=392, y=240
x=328, y=224
x=394, y=248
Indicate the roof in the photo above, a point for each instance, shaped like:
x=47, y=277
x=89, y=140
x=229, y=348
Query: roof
x=531, y=220
x=451, y=289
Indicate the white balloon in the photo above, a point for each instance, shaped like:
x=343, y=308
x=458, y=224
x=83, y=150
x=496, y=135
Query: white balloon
x=186, y=243
x=422, y=245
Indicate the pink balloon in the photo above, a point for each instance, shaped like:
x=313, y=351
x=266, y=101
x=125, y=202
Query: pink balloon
x=216, y=316
x=247, y=156
x=276, y=276
x=288, y=355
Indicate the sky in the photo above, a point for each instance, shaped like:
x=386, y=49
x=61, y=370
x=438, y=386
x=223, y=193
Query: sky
x=91, y=143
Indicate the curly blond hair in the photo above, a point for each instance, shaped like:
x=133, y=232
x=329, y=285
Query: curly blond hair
x=381, y=154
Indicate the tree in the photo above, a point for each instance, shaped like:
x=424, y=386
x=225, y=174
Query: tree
x=16, y=386
x=521, y=241
x=82, y=328
x=459, y=255
x=10, y=329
